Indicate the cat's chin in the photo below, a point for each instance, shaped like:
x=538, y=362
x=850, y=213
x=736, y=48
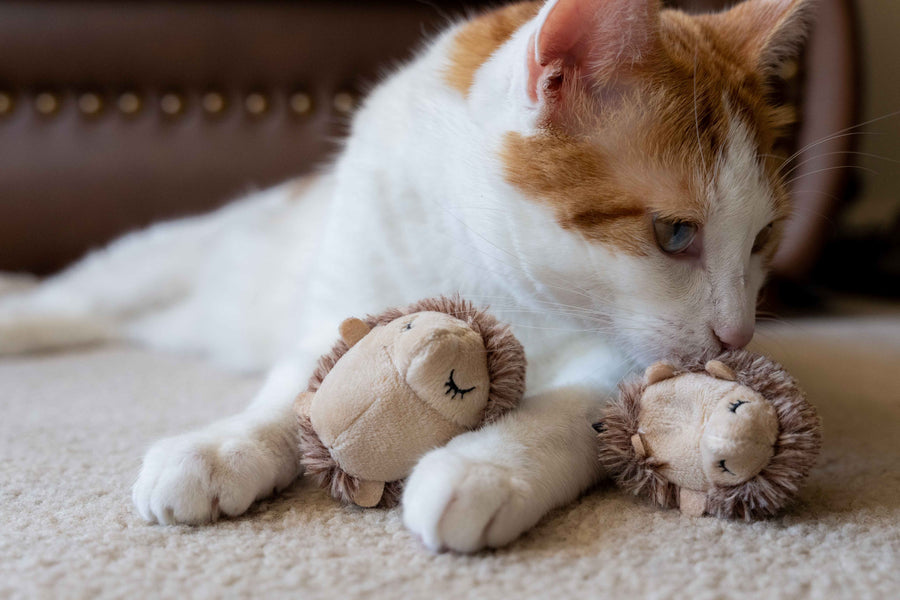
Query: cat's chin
x=651, y=351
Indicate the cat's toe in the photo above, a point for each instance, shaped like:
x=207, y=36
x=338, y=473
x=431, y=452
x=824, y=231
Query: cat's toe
x=187, y=480
x=460, y=504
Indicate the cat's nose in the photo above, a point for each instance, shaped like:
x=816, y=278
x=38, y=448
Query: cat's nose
x=734, y=337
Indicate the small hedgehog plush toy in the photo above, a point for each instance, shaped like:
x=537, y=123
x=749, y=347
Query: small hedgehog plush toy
x=733, y=437
x=397, y=385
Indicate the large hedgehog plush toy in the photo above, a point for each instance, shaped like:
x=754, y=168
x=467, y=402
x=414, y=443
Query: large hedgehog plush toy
x=733, y=437
x=397, y=385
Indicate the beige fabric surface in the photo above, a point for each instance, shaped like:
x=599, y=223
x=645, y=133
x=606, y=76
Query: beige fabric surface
x=73, y=427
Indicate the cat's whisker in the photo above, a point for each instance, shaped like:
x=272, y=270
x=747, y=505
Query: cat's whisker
x=567, y=286
x=828, y=169
x=836, y=153
x=847, y=131
x=577, y=312
x=823, y=140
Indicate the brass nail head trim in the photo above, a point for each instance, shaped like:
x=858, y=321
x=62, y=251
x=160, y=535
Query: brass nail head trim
x=129, y=103
x=344, y=102
x=7, y=104
x=789, y=69
x=301, y=103
x=47, y=103
x=256, y=104
x=213, y=103
x=171, y=104
x=90, y=104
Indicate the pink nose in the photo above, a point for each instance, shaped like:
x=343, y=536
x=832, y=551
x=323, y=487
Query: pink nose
x=734, y=337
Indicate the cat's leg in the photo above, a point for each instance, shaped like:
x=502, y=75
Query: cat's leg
x=224, y=467
x=485, y=488
x=87, y=302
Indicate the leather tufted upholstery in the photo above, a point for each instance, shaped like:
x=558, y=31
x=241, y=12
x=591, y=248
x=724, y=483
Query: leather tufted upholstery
x=117, y=114
x=71, y=179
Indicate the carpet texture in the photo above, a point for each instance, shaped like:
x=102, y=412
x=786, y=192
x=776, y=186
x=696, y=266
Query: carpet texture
x=73, y=428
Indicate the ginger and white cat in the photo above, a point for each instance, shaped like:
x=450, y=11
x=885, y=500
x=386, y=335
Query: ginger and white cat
x=595, y=170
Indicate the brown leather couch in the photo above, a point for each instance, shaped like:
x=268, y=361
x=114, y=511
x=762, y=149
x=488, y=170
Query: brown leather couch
x=117, y=114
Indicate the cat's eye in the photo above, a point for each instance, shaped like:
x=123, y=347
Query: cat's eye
x=672, y=236
x=762, y=238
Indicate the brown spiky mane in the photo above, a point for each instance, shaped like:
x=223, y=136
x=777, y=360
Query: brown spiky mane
x=506, y=370
x=796, y=448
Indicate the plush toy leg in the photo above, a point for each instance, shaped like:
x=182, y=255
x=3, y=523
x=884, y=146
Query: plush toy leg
x=369, y=493
x=691, y=502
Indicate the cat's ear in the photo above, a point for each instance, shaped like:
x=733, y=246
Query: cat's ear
x=592, y=40
x=766, y=32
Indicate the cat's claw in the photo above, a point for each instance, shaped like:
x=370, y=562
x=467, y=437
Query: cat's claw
x=456, y=503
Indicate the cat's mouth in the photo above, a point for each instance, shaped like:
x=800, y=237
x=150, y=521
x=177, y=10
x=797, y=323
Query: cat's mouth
x=654, y=344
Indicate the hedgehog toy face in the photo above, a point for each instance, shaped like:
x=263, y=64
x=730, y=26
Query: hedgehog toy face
x=739, y=437
x=712, y=431
x=732, y=437
x=400, y=385
x=442, y=360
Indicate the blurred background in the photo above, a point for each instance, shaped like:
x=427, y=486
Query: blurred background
x=114, y=115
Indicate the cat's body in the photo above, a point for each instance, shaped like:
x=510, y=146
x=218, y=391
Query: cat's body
x=430, y=196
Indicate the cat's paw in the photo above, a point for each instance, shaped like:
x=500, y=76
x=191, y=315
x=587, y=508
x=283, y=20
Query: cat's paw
x=196, y=477
x=461, y=504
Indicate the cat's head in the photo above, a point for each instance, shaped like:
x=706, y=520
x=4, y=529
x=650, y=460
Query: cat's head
x=652, y=130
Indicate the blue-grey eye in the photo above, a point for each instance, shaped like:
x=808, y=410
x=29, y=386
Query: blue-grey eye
x=673, y=237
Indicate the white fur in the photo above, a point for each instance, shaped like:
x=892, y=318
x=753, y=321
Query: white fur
x=415, y=206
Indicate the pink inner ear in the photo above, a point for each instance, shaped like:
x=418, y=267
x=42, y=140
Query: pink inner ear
x=568, y=23
x=596, y=36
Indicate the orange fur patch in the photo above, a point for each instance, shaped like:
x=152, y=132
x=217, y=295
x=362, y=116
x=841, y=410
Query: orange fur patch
x=605, y=170
x=481, y=37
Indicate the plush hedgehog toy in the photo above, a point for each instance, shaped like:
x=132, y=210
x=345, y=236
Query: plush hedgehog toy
x=399, y=384
x=734, y=437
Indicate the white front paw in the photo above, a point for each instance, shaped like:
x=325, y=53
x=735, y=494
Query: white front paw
x=457, y=503
x=194, y=478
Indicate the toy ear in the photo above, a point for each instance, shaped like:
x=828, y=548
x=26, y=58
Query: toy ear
x=352, y=330
x=658, y=372
x=302, y=403
x=720, y=370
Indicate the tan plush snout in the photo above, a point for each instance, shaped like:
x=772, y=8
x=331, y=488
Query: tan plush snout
x=447, y=369
x=739, y=436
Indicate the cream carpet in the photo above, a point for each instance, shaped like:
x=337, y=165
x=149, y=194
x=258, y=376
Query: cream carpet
x=73, y=428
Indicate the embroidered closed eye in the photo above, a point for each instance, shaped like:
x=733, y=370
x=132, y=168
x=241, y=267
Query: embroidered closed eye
x=455, y=389
x=724, y=468
x=407, y=327
x=733, y=408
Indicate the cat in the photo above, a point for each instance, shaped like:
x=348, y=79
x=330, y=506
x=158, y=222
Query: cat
x=594, y=170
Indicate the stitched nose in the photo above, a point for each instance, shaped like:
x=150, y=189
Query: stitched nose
x=734, y=337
